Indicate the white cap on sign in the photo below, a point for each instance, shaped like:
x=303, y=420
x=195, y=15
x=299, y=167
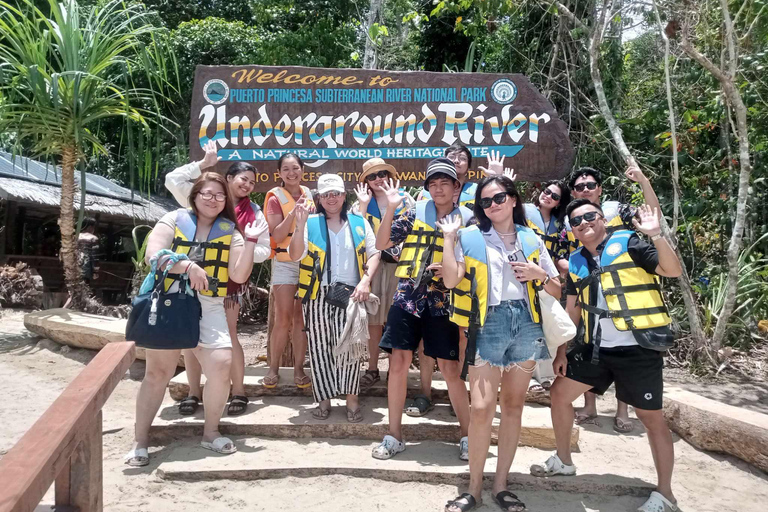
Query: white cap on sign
x=330, y=182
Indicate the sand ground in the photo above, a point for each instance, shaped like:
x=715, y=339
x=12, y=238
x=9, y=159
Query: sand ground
x=35, y=371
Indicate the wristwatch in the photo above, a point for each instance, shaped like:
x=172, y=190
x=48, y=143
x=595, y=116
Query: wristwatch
x=543, y=284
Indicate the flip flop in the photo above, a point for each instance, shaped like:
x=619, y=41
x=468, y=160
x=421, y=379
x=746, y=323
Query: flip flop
x=302, y=382
x=321, y=414
x=355, y=416
x=582, y=419
x=623, y=427
x=270, y=381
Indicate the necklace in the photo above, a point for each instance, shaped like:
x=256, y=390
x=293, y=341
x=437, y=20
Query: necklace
x=513, y=233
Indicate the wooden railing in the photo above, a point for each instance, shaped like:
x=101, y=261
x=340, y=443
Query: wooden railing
x=64, y=445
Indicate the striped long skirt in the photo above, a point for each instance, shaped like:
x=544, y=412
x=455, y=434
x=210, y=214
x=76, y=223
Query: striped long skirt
x=331, y=375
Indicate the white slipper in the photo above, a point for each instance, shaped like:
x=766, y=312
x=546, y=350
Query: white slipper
x=219, y=445
x=137, y=458
x=553, y=466
x=658, y=503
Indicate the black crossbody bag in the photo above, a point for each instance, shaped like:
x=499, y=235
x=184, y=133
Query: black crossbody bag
x=338, y=294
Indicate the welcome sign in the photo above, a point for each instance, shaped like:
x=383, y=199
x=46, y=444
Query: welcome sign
x=335, y=119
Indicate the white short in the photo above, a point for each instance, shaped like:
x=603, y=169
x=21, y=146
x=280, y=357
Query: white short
x=214, y=331
x=285, y=272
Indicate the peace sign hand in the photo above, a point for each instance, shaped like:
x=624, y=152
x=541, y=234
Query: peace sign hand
x=450, y=226
x=392, y=189
x=301, y=212
x=211, y=157
x=495, y=164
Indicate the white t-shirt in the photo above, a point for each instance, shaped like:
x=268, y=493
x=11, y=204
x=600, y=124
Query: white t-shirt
x=343, y=257
x=503, y=285
x=611, y=336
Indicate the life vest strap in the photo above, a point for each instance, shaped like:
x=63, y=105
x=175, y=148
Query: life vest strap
x=179, y=242
x=632, y=288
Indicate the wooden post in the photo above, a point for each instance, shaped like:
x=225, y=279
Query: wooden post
x=85, y=489
x=287, y=359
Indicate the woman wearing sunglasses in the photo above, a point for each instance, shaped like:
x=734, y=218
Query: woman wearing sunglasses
x=506, y=264
x=335, y=248
x=546, y=216
x=370, y=195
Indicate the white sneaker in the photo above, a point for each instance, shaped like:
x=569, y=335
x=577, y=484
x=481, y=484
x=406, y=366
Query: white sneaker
x=388, y=448
x=464, y=448
x=553, y=466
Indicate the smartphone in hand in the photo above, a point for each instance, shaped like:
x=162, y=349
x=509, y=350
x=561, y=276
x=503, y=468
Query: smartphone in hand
x=517, y=256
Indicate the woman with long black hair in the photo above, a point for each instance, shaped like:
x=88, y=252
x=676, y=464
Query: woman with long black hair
x=506, y=264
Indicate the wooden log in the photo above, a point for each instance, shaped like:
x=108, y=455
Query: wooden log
x=287, y=358
x=718, y=427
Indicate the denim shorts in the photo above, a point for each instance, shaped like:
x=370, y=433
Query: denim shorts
x=510, y=336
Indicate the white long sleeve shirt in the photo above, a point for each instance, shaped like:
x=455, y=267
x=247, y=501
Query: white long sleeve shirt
x=179, y=182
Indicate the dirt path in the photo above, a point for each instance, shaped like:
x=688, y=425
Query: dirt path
x=35, y=371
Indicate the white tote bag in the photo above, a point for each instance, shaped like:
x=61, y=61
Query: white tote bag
x=557, y=325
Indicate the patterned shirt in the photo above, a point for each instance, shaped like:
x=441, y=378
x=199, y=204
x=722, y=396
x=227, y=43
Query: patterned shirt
x=409, y=297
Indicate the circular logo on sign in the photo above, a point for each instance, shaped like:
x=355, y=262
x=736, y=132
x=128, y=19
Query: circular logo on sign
x=613, y=249
x=360, y=231
x=216, y=91
x=503, y=91
x=167, y=302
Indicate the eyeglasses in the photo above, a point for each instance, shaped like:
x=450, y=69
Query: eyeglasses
x=591, y=185
x=499, y=198
x=548, y=192
x=374, y=175
x=220, y=197
x=332, y=193
x=457, y=157
x=589, y=217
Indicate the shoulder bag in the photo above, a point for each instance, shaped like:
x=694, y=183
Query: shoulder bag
x=338, y=294
x=557, y=325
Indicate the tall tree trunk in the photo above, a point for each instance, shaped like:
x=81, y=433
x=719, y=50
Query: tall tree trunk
x=727, y=81
x=369, y=57
x=73, y=277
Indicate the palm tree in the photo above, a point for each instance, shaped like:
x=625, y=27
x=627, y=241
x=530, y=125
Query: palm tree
x=65, y=73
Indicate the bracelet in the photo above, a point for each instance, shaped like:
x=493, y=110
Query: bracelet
x=254, y=240
x=186, y=270
x=656, y=237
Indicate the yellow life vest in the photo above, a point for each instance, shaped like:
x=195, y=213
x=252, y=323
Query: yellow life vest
x=551, y=241
x=373, y=213
x=466, y=197
x=633, y=295
x=287, y=202
x=469, y=299
x=424, y=244
x=312, y=266
x=215, y=249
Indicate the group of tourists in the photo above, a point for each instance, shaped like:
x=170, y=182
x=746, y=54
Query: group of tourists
x=455, y=276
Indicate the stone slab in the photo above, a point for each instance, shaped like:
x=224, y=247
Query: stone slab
x=254, y=375
x=79, y=330
x=291, y=417
x=428, y=461
x=711, y=425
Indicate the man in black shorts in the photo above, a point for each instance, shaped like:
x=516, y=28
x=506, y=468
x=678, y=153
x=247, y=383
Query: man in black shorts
x=614, y=296
x=420, y=309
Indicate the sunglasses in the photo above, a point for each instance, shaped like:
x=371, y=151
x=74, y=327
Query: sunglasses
x=591, y=185
x=588, y=217
x=548, y=192
x=499, y=198
x=332, y=193
x=374, y=175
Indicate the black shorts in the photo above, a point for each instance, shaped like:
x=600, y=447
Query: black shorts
x=404, y=331
x=637, y=372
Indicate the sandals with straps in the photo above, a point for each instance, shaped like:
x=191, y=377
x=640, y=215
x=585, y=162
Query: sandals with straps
x=237, y=405
x=369, y=378
x=188, y=406
x=509, y=502
x=463, y=503
x=420, y=406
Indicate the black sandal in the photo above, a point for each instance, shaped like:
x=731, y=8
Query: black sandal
x=237, y=405
x=509, y=502
x=463, y=503
x=189, y=405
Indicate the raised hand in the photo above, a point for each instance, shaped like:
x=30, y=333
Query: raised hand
x=649, y=222
x=495, y=164
x=450, y=225
x=255, y=229
x=211, y=158
x=301, y=212
x=392, y=189
x=634, y=173
x=363, y=196
x=510, y=173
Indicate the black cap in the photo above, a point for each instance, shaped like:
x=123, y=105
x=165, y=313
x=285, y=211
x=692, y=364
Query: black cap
x=441, y=166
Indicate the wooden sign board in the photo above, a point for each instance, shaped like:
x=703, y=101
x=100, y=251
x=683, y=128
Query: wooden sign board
x=336, y=119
